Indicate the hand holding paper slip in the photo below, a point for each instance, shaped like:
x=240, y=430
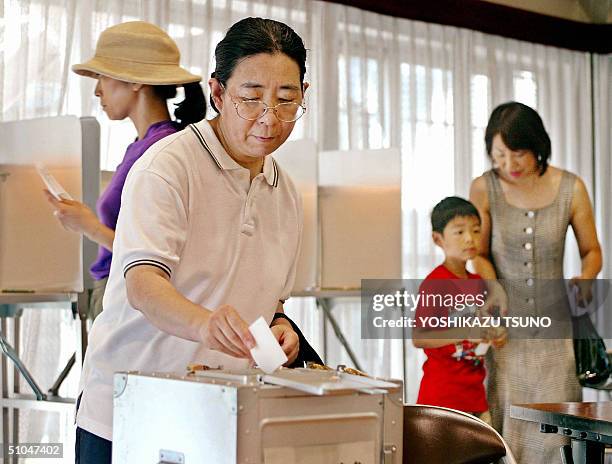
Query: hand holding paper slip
x=267, y=353
x=52, y=184
x=482, y=348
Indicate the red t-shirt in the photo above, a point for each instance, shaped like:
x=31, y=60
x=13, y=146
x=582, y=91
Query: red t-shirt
x=447, y=381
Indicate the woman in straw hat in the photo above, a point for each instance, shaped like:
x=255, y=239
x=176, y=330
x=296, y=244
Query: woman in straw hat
x=137, y=68
x=207, y=237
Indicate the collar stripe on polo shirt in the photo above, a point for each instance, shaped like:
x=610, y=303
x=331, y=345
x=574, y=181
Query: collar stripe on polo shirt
x=275, y=183
x=202, y=141
x=147, y=262
x=200, y=137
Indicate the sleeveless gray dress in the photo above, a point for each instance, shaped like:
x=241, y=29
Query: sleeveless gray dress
x=527, y=248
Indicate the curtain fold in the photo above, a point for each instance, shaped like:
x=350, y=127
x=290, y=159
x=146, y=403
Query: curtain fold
x=602, y=99
x=602, y=105
x=376, y=82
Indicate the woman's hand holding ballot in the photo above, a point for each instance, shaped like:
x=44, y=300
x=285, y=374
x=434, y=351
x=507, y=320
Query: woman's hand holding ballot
x=223, y=329
x=287, y=339
x=150, y=291
x=227, y=332
x=77, y=217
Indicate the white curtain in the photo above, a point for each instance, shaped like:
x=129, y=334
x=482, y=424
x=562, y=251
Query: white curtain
x=429, y=89
x=602, y=99
x=602, y=67
x=376, y=81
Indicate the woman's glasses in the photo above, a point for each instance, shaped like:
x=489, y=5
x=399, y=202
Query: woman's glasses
x=251, y=110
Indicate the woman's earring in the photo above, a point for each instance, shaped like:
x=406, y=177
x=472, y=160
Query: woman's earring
x=539, y=159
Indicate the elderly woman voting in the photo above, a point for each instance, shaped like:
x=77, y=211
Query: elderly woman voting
x=208, y=233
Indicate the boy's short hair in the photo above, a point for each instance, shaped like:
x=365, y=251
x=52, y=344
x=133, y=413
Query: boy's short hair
x=450, y=208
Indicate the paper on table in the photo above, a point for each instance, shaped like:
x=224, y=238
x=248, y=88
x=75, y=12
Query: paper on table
x=52, y=184
x=267, y=353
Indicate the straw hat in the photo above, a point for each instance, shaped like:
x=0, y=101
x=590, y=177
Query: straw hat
x=137, y=52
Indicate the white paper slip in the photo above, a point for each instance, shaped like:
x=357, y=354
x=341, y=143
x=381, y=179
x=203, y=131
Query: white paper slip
x=52, y=184
x=267, y=353
x=481, y=349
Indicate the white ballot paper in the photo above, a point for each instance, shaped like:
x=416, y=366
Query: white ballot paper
x=52, y=184
x=267, y=353
x=481, y=349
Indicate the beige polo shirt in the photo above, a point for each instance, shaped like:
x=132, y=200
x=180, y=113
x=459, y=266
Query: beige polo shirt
x=190, y=209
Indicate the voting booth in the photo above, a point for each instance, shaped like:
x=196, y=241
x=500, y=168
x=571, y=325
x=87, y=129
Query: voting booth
x=36, y=252
x=352, y=223
x=42, y=265
x=352, y=214
x=360, y=217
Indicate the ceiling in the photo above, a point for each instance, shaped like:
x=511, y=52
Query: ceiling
x=588, y=11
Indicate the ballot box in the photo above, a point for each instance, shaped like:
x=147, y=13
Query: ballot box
x=300, y=416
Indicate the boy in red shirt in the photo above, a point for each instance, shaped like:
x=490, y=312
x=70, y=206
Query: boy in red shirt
x=454, y=372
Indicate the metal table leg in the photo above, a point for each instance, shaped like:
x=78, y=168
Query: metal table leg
x=10, y=352
x=405, y=337
x=324, y=336
x=566, y=454
x=80, y=308
x=587, y=452
x=12, y=401
x=17, y=345
x=5, y=395
x=325, y=306
x=79, y=311
x=54, y=390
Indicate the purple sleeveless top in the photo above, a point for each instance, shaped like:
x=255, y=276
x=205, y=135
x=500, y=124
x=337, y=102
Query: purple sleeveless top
x=109, y=203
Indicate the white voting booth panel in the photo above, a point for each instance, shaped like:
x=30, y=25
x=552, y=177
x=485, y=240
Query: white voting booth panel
x=299, y=159
x=352, y=214
x=36, y=253
x=359, y=216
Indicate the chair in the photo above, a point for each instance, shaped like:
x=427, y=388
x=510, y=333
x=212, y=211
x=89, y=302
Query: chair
x=435, y=435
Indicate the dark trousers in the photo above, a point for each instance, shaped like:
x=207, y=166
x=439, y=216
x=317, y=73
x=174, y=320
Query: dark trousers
x=90, y=448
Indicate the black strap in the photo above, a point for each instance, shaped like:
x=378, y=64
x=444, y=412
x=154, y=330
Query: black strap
x=306, y=352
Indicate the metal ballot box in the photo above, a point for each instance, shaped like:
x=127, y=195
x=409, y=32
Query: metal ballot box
x=301, y=416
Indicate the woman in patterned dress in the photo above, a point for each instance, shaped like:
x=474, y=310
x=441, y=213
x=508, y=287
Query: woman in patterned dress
x=526, y=206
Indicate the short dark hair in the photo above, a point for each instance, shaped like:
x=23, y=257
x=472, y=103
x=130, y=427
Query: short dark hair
x=450, y=208
x=521, y=128
x=251, y=36
x=192, y=109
